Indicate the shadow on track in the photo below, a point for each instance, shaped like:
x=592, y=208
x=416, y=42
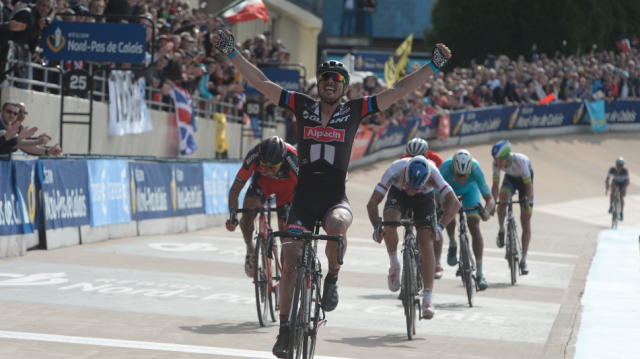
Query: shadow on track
x=372, y=341
x=227, y=328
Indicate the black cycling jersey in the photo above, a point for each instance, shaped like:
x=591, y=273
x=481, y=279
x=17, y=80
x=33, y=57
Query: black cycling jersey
x=324, y=152
x=619, y=177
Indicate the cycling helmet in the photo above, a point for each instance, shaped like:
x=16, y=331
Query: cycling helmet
x=417, y=147
x=501, y=149
x=417, y=172
x=620, y=161
x=335, y=66
x=272, y=151
x=462, y=162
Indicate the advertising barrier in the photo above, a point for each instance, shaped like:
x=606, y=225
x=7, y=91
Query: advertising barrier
x=65, y=193
x=10, y=216
x=109, y=196
x=161, y=190
x=30, y=193
x=218, y=179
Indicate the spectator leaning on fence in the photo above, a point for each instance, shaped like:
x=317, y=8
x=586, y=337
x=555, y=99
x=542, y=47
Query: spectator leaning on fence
x=10, y=133
x=34, y=145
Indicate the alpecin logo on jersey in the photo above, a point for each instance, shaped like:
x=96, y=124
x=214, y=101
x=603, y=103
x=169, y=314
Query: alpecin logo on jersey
x=321, y=134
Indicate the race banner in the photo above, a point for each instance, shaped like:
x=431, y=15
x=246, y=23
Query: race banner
x=160, y=190
x=29, y=192
x=218, y=179
x=109, y=197
x=10, y=210
x=128, y=112
x=99, y=42
x=65, y=193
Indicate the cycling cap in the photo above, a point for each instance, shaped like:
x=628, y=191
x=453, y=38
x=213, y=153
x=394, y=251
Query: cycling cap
x=417, y=147
x=462, y=162
x=335, y=66
x=620, y=161
x=417, y=172
x=501, y=149
x=272, y=151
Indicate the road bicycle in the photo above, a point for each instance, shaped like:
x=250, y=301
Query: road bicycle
x=412, y=283
x=466, y=263
x=616, y=207
x=306, y=315
x=513, y=244
x=267, y=265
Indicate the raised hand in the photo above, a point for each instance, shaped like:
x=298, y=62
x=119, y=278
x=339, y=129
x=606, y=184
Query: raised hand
x=26, y=133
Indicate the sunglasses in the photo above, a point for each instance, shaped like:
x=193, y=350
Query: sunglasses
x=13, y=113
x=270, y=167
x=331, y=75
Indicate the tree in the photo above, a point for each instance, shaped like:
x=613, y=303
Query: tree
x=472, y=29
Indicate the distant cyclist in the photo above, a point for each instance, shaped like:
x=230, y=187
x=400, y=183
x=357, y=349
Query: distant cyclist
x=420, y=147
x=518, y=177
x=326, y=131
x=410, y=183
x=620, y=181
x=464, y=175
x=274, y=165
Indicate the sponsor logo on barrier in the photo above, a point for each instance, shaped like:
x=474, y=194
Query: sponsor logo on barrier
x=623, y=116
x=577, y=116
x=184, y=197
x=546, y=120
x=321, y=134
x=386, y=141
x=31, y=194
x=9, y=211
x=105, y=191
x=70, y=204
x=473, y=127
x=458, y=125
x=151, y=200
x=514, y=117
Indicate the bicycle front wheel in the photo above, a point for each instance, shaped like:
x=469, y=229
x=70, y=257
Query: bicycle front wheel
x=274, y=287
x=297, y=321
x=408, y=280
x=616, y=212
x=260, y=262
x=513, y=252
x=312, y=335
x=465, y=259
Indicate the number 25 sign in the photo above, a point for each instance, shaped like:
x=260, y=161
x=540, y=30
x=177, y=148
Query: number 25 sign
x=77, y=82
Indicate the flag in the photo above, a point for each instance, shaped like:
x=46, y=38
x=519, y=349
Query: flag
x=547, y=99
x=634, y=40
x=245, y=10
x=595, y=111
x=395, y=68
x=184, y=114
x=623, y=46
x=222, y=143
x=248, y=124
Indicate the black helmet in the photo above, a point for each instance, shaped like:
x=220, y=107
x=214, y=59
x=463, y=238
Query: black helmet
x=272, y=151
x=335, y=66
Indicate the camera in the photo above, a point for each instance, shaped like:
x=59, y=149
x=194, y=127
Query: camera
x=47, y=21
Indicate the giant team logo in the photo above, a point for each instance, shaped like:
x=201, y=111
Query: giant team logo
x=321, y=134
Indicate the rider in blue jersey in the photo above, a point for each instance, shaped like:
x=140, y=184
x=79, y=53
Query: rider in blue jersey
x=466, y=178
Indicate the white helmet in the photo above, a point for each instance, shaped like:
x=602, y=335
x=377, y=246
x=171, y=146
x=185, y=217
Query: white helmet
x=417, y=147
x=620, y=161
x=462, y=162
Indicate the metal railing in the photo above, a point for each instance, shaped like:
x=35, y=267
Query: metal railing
x=46, y=78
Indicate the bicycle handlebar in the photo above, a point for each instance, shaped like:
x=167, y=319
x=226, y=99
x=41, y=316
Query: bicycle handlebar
x=300, y=236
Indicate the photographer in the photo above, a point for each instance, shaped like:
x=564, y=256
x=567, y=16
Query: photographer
x=36, y=17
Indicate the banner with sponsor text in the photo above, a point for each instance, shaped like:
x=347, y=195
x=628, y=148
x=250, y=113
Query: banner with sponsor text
x=10, y=209
x=128, y=112
x=110, y=200
x=65, y=193
x=29, y=191
x=218, y=179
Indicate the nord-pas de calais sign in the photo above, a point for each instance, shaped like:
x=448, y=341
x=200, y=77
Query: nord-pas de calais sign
x=101, y=42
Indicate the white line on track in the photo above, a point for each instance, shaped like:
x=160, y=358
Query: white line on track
x=141, y=345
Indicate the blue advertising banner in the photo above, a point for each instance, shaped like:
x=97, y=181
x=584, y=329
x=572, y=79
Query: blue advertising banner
x=65, y=193
x=160, y=190
x=370, y=61
x=29, y=192
x=287, y=79
x=109, y=197
x=622, y=112
x=10, y=216
x=218, y=179
x=101, y=42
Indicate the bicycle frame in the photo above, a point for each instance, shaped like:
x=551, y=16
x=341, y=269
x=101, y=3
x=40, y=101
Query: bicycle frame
x=511, y=225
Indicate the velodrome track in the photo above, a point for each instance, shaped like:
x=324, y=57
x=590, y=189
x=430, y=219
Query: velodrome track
x=186, y=296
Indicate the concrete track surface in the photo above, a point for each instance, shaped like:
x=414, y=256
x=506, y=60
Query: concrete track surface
x=186, y=296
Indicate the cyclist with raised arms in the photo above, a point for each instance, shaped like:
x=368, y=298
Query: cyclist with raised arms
x=620, y=180
x=410, y=183
x=463, y=173
x=518, y=177
x=326, y=132
x=274, y=166
x=420, y=147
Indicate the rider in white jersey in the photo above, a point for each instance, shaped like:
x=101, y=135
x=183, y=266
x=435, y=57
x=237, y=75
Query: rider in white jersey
x=410, y=183
x=518, y=177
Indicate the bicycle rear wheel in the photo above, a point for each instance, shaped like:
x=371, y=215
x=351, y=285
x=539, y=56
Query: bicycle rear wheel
x=260, y=280
x=513, y=252
x=408, y=279
x=297, y=321
x=465, y=259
